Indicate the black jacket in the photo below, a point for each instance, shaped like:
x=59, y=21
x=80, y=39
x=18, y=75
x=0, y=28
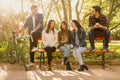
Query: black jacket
x=81, y=36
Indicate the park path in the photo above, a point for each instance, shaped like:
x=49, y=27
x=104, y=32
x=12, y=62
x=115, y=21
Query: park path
x=95, y=72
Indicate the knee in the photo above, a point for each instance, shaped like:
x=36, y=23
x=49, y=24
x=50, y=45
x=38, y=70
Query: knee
x=90, y=33
x=108, y=32
x=68, y=47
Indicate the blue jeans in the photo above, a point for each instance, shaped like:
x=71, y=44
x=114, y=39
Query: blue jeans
x=77, y=54
x=66, y=50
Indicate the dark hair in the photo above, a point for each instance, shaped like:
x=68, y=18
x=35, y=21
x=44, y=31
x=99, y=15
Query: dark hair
x=97, y=8
x=63, y=22
x=78, y=25
x=33, y=6
x=49, y=26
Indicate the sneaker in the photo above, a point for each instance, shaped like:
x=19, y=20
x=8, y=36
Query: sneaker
x=92, y=50
x=105, y=50
x=62, y=63
x=34, y=49
x=31, y=64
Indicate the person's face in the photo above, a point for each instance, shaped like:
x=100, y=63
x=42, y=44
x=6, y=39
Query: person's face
x=52, y=25
x=73, y=25
x=94, y=12
x=63, y=26
x=34, y=11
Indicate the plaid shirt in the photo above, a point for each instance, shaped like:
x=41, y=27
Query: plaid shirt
x=102, y=20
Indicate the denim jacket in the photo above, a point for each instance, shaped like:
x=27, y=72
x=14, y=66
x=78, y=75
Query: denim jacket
x=82, y=38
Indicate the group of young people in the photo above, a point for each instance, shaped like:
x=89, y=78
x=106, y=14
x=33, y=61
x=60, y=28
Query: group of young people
x=76, y=37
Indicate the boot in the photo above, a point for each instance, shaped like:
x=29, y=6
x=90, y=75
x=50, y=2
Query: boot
x=64, y=61
x=68, y=67
x=49, y=67
x=81, y=68
x=85, y=67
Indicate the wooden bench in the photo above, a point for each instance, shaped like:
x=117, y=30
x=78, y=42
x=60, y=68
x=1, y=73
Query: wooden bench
x=100, y=52
x=99, y=38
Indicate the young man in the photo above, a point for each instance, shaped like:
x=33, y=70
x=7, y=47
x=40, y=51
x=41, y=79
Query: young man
x=34, y=22
x=98, y=25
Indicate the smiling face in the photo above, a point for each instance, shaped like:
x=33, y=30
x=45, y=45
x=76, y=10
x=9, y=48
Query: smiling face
x=73, y=25
x=52, y=24
x=34, y=11
x=94, y=12
x=63, y=26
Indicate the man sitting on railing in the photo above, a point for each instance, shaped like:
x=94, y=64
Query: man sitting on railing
x=98, y=25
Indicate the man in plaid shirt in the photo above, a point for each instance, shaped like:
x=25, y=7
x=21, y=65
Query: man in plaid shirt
x=98, y=25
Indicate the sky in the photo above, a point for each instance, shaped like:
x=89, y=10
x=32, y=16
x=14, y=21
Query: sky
x=15, y=5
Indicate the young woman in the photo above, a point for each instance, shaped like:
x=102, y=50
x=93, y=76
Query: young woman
x=78, y=37
x=49, y=38
x=64, y=41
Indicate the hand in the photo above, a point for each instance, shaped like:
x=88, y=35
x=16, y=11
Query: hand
x=19, y=32
x=75, y=48
x=32, y=31
x=97, y=25
x=62, y=41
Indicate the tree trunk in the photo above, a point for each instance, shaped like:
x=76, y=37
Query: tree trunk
x=48, y=13
x=77, y=11
x=57, y=8
x=64, y=10
x=70, y=12
x=110, y=11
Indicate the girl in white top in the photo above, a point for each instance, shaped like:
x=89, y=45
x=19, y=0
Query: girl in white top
x=49, y=38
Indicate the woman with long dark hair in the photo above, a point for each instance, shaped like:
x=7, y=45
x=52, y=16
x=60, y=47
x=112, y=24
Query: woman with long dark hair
x=78, y=39
x=64, y=43
x=49, y=38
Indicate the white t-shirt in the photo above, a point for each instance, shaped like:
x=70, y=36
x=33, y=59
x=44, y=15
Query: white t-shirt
x=33, y=18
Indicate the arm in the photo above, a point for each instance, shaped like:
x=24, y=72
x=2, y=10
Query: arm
x=55, y=39
x=43, y=39
x=22, y=29
x=103, y=24
x=40, y=24
x=59, y=38
x=73, y=40
x=92, y=23
x=83, y=39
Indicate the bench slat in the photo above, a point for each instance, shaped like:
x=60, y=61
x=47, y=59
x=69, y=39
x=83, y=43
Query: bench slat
x=86, y=52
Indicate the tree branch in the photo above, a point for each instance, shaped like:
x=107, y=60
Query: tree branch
x=115, y=26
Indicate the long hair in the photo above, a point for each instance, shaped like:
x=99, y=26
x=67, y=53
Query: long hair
x=63, y=22
x=78, y=25
x=49, y=26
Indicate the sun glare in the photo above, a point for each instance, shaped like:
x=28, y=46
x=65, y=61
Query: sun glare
x=7, y=3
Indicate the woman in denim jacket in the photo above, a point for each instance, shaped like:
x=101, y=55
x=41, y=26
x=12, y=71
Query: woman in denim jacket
x=64, y=43
x=78, y=40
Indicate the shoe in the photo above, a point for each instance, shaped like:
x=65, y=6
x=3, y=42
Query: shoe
x=49, y=67
x=92, y=50
x=85, y=67
x=81, y=68
x=34, y=49
x=31, y=64
x=68, y=67
x=105, y=50
x=64, y=61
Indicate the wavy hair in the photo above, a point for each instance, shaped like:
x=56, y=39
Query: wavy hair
x=49, y=26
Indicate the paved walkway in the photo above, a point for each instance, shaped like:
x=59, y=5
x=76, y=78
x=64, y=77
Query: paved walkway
x=95, y=72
